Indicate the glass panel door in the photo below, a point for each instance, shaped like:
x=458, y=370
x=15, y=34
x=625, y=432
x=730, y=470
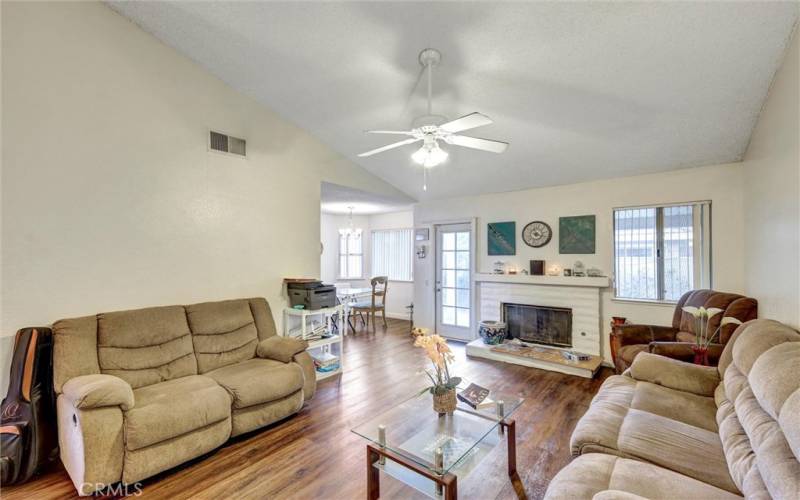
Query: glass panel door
x=453, y=281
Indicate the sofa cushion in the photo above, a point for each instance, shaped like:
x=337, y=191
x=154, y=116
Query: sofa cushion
x=677, y=446
x=74, y=349
x=145, y=346
x=170, y=409
x=257, y=381
x=595, y=473
x=675, y=430
x=223, y=333
x=675, y=374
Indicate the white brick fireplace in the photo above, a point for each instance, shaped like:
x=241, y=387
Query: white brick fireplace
x=580, y=294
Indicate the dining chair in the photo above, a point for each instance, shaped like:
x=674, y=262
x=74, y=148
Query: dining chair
x=379, y=286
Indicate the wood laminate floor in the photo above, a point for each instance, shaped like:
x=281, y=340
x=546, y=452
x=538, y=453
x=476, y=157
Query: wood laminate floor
x=313, y=455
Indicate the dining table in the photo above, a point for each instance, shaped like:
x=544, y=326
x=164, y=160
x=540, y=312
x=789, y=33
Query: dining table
x=348, y=296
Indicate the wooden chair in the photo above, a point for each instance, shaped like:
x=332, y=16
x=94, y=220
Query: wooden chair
x=379, y=286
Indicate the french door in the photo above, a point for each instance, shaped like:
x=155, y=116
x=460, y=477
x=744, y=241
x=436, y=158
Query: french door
x=453, y=281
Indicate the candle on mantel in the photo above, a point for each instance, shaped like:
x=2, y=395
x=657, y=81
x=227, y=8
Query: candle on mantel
x=554, y=270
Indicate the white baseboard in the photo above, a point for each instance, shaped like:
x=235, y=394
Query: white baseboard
x=397, y=315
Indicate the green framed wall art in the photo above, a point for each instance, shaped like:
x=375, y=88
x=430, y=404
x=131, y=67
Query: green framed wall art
x=576, y=234
x=502, y=238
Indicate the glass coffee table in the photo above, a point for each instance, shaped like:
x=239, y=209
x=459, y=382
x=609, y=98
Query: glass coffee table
x=428, y=451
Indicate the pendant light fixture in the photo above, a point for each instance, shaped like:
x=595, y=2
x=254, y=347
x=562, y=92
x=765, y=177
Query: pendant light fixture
x=351, y=231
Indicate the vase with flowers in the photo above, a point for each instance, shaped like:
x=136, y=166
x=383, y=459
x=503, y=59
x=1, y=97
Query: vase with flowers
x=703, y=317
x=444, y=385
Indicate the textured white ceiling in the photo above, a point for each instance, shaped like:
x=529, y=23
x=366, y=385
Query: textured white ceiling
x=581, y=90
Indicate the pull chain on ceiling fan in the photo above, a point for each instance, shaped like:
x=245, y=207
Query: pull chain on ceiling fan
x=430, y=130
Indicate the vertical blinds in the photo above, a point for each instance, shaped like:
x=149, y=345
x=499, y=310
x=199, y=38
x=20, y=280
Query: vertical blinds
x=392, y=251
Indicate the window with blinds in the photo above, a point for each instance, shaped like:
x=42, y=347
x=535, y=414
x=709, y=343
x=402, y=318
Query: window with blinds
x=661, y=252
x=392, y=251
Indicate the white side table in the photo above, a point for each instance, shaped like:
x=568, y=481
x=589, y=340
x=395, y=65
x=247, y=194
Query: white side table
x=332, y=344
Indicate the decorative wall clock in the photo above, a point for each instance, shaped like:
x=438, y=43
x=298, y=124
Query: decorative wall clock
x=537, y=234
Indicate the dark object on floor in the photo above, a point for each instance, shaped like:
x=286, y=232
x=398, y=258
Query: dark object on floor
x=676, y=341
x=28, y=436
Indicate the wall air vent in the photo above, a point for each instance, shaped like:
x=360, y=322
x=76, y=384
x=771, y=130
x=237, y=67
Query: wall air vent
x=227, y=144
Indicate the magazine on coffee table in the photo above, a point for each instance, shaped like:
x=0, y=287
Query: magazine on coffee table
x=475, y=396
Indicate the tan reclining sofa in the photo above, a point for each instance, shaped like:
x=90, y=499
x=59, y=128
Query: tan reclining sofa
x=145, y=390
x=673, y=430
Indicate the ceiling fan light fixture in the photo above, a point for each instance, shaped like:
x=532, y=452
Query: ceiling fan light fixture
x=430, y=155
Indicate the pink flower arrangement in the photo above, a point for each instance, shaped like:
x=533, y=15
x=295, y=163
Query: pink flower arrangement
x=439, y=353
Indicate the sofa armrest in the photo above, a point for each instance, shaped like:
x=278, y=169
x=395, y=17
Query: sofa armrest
x=281, y=349
x=643, y=334
x=683, y=350
x=98, y=391
x=674, y=374
x=309, y=373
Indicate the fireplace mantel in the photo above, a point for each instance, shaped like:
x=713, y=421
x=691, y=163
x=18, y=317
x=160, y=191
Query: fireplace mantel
x=523, y=279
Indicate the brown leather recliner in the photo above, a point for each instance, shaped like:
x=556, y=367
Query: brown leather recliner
x=676, y=341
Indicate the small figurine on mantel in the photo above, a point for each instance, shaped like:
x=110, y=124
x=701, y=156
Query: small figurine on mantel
x=593, y=272
x=578, y=269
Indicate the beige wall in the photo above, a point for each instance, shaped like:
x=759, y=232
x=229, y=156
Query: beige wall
x=772, y=198
x=110, y=198
x=722, y=184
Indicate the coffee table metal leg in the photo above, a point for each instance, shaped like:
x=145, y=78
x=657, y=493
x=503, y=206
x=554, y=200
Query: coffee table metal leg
x=373, y=475
x=511, y=434
x=438, y=462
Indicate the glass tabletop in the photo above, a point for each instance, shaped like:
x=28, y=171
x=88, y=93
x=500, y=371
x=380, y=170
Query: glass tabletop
x=412, y=429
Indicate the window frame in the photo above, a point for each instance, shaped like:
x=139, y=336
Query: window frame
x=411, y=252
x=347, y=256
x=702, y=262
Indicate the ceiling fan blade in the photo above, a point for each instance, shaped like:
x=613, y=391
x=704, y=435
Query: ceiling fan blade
x=478, y=143
x=395, y=132
x=472, y=120
x=390, y=146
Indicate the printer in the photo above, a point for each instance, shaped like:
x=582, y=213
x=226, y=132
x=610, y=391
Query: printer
x=311, y=294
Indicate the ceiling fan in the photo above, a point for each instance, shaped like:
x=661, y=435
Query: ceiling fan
x=430, y=128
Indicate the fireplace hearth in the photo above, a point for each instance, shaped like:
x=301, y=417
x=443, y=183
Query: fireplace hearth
x=539, y=324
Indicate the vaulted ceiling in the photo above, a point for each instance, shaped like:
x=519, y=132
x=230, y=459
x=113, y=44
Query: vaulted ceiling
x=582, y=91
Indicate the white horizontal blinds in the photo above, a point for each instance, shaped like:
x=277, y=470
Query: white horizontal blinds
x=350, y=256
x=678, y=251
x=635, y=252
x=392, y=251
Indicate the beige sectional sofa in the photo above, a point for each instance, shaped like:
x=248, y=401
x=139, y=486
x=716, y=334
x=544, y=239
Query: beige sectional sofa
x=145, y=390
x=670, y=429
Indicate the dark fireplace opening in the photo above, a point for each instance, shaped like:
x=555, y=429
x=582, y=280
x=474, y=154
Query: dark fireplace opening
x=539, y=324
